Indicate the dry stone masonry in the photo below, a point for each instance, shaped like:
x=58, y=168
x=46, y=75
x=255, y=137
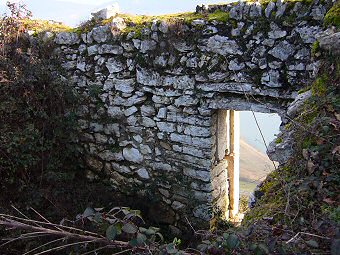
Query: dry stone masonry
x=153, y=121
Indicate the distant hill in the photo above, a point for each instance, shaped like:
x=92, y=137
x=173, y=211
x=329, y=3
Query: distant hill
x=254, y=167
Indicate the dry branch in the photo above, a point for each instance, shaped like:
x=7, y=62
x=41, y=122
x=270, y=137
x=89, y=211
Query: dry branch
x=67, y=233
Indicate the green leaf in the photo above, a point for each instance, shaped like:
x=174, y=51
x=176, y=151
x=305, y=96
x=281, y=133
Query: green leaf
x=160, y=236
x=130, y=228
x=171, y=249
x=111, y=232
x=225, y=236
x=312, y=243
x=233, y=241
x=141, y=239
x=119, y=227
x=142, y=230
x=133, y=243
x=150, y=232
x=261, y=249
x=98, y=217
x=88, y=212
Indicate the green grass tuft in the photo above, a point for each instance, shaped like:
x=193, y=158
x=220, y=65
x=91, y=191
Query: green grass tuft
x=332, y=17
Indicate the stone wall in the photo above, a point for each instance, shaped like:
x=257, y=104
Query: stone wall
x=149, y=118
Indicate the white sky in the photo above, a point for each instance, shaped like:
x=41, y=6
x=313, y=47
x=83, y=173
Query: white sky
x=269, y=124
x=72, y=12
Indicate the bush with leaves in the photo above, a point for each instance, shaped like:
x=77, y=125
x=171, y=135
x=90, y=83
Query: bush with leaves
x=38, y=128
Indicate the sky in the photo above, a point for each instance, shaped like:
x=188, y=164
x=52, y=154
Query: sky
x=73, y=12
x=269, y=124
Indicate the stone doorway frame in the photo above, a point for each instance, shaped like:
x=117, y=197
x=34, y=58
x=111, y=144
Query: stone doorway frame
x=227, y=159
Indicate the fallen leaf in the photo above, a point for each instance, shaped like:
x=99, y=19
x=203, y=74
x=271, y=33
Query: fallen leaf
x=310, y=167
x=337, y=116
x=336, y=150
x=312, y=243
x=329, y=201
x=305, y=153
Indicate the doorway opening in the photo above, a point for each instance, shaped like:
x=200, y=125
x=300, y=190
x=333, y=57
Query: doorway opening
x=257, y=130
x=241, y=162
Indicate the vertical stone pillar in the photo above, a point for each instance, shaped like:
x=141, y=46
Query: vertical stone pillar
x=234, y=163
x=219, y=176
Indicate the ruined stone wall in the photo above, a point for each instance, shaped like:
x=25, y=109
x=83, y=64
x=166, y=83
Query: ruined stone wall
x=152, y=95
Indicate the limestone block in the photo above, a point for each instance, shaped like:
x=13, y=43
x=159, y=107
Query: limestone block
x=270, y=7
x=143, y=174
x=186, y=101
x=295, y=106
x=166, y=127
x=132, y=155
x=197, y=131
x=223, y=46
x=203, y=212
x=282, y=51
x=147, y=77
x=130, y=111
x=163, y=27
x=237, y=11
x=234, y=65
x=114, y=65
x=66, y=38
x=101, y=34
x=206, y=187
x=179, y=82
x=115, y=112
x=147, y=110
x=197, y=174
x=177, y=205
x=271, y=79
x=331, y=43
x=118, y=24
x=158, y=166
x=148, y=122
x=120, y=168
x=107, y=12
x=162, y=113
x=111, y=156
x=125, y=86
x=110, y=49
x=203, y=196
x=255, y=10
x=147, y=45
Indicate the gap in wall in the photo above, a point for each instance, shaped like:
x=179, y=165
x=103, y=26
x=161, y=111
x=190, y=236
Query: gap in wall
x=255, y=164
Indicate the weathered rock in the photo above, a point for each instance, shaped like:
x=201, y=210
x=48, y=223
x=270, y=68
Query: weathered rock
x=118, y=24
x=271, y=79
x=147, y=110
x=101, y=34
x=330, y=43
x=296, y=105
x=143, y=174
x=107, y=12
x=222, y=45
x=110, y=49
x=132, y=155
x=66, y=38
x=282, y=51
x=270, y=7
x=114, y=65
x=147, y=45
x=203, y=212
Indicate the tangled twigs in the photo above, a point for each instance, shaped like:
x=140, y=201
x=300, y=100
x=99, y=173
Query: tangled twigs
x=76, y=236
x=308, y=234
x=62, y=233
